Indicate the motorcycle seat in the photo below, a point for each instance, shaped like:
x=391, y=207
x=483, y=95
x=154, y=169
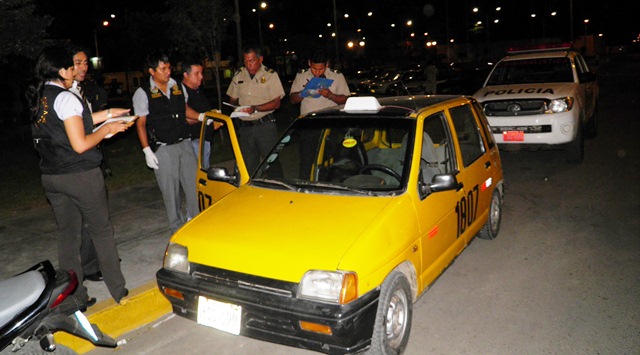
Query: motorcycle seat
x=19, y=292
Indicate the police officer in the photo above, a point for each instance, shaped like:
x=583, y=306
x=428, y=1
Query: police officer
x=335, y=95
x=164, y=135
x=197, y=104
x=259, y=88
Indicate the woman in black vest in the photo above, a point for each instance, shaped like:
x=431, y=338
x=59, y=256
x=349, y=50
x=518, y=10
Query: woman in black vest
x=70, y=166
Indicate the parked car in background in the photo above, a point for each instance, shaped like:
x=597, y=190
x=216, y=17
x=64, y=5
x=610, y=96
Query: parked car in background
x=348, y=220
x=542, y=97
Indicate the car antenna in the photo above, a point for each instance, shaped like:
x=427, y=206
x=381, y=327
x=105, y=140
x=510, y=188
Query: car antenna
x=409, y=94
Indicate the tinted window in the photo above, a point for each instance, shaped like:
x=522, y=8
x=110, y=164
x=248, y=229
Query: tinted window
x=468, y=133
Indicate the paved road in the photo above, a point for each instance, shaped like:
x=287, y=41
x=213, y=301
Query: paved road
x=562, y=277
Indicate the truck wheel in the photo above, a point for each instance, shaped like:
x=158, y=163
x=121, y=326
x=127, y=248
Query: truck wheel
x=393, y=318
x=492, y=227
x=575, y=149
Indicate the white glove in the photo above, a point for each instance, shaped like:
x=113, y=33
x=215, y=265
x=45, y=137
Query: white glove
x=150, y=157
x=201, y=117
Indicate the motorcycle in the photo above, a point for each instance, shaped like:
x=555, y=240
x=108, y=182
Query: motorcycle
x=39, y=302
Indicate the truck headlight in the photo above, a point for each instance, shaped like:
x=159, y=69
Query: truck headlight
x=560, y=105
x=329, y=286
x=176, y=258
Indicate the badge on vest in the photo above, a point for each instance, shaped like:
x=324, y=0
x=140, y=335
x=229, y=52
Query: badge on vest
x=155, y=93
x=176, y=90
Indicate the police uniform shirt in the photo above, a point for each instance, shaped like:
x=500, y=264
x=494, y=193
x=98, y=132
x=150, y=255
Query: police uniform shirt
x=264, y=87
x=310, y=104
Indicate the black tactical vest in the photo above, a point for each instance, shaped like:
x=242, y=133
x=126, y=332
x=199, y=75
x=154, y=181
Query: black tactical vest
x=51, y=140
x=167, y=118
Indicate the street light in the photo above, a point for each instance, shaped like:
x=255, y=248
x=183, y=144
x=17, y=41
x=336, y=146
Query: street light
x=263, y=6
x=586, y=21
x=96, y=60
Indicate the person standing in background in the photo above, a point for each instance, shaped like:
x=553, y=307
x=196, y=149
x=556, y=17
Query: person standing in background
x=431, y=75
x=197, y=105
x=92, y=100
x=334, y=95
x=259, y=88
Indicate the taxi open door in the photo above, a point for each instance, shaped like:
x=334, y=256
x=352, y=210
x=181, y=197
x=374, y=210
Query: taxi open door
x=221, y=168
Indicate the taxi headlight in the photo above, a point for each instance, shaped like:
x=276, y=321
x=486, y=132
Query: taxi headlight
x=560, y=105
x=329, y=286
x=176, y=258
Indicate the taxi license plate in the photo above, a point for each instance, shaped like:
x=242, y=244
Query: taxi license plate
x=219, y=315
x=513, y=136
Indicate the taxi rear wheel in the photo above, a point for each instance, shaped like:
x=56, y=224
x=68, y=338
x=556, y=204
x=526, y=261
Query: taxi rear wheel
x=393, y=318
x=492, y=227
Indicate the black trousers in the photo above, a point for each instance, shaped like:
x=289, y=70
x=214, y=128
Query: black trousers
x=79, y=198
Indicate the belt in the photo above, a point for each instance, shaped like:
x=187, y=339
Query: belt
x=174, y=142
x=261, y=120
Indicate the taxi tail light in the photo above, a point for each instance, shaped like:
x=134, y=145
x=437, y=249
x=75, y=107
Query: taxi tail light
x=315, y=327
x=349, y=291
x=173, y=293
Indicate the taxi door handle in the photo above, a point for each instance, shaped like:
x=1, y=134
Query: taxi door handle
x=202, y=181
x=487, y=165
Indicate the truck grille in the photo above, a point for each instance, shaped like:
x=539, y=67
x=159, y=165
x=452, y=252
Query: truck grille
x=515, y=107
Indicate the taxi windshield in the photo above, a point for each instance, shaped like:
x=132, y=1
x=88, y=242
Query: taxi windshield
x=341, y=155
x=534, y=70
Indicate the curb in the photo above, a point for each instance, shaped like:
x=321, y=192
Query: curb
x=144, y=305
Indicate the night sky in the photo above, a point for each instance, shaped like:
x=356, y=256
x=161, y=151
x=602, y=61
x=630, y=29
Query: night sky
x=615, y=19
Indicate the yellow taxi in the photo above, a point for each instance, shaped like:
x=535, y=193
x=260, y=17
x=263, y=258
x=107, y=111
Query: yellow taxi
x=350, y=217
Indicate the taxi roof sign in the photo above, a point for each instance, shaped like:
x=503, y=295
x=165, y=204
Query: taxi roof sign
x=362, y=104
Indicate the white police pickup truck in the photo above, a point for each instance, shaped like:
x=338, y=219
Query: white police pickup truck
x=542, y=98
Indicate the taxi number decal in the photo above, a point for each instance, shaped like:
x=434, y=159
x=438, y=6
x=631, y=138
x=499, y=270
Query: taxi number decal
x=204, y=201
x=467, y=209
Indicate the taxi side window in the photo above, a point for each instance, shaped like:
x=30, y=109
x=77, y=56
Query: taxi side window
x=221, y=155
x=436, y=156
x=484, y=124
x=468, y=133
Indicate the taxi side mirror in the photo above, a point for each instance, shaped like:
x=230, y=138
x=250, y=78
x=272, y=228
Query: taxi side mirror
x=221, y=174
x=444, y=182
x=440, y=182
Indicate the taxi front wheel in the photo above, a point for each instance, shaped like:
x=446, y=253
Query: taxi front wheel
x=393, y=318
x=492, y=227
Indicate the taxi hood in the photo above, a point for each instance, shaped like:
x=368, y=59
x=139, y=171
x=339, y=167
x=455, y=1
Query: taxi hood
x=276, y=233
x=525, y=91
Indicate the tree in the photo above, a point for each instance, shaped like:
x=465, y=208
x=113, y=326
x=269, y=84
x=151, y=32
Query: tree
x=21, y=32
x=199, y=27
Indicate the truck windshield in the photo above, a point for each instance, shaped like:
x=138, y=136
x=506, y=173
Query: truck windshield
x=534, y=70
